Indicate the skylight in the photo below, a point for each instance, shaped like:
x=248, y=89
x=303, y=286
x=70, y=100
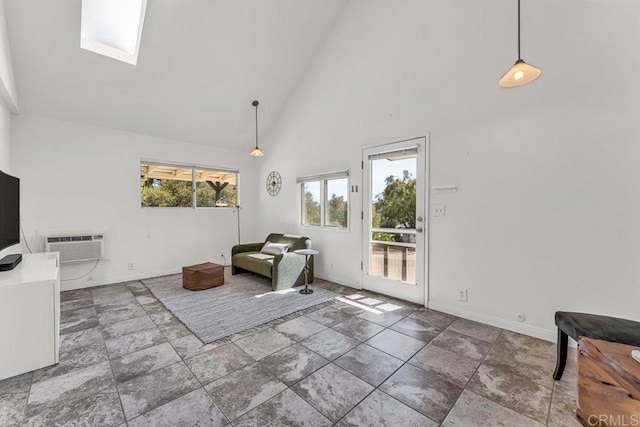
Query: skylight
x=113, y=28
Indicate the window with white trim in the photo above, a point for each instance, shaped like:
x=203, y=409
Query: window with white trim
x=324, y=200
x=180, y=185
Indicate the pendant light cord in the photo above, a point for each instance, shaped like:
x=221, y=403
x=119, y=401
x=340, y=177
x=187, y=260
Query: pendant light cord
x=519, y=30
x=256, y=105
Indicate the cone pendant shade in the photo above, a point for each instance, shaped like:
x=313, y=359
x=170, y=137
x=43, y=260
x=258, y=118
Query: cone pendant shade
x=256, y=152
x=520, y=74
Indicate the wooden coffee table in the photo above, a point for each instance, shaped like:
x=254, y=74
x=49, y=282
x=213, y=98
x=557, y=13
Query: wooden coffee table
x=608, y=384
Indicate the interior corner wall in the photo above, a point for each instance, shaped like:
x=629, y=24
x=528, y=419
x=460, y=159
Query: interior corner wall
x=546, y=216
x=83, y=179
x=5, y=158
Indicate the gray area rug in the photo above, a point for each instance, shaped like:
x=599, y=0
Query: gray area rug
x=243, y=302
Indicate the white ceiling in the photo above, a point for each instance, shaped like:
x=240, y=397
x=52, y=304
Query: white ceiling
x=201, y=64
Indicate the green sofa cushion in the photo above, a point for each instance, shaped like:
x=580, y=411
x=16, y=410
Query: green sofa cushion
x=254, y=261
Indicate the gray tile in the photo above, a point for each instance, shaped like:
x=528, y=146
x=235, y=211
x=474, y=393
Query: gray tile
x=370, y=301
x=150, y=391
x=213, y=364
x=329, y=344
x=241, y=391
x=71, y=386
x=563, y=411
x=426, y=392
x=292, y=364
x=456, y=368
x=128, y=327
x=383, y=318
x=81, y=338
x=125, y=344
x=381, y=410
x=285, y=409
x=72, y=360
x=146, y=298
x=475, y=411
x=369, y=364
x=300, y=328
x=264, y=343
x=475, y=329
x=332, y=391
x=107, y=289
x=463, y=345
x=75, y=304
x=110, y=318
x=328, y=316
x=358, y=329
x=99, y=409
x=78, y=294
x=174, y=329
x=115, y=305
x=192, y=409
x=396, y=344
x=78, y=319
x=350, y=307
x=503, y=384
x=16, y=384
x=156, y=309
x=136, y=286
x=435, y=318
x=13, y=399
x=112, y=297
x=190, y=345
x=144, y=361
x=416, y=328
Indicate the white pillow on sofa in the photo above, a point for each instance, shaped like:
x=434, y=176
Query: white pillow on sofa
x=274, y=248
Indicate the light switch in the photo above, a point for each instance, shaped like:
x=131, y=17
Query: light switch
x=438, y=210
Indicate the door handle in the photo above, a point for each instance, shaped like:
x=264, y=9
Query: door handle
x=419, y=219
x=419, y=230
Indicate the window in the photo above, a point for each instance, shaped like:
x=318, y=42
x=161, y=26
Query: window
x=324, y=200
x=113, y=28
x=176, y=186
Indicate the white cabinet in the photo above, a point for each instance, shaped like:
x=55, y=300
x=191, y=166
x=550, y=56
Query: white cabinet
x=30, y=315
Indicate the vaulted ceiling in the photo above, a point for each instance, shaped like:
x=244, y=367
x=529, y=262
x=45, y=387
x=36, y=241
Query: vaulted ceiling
x=201, y=64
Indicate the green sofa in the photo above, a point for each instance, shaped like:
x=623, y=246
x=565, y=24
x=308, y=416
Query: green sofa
x=285, y=270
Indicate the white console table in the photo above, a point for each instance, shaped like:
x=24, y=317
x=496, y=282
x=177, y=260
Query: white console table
x=30, y=314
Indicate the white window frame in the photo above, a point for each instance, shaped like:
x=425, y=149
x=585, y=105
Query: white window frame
x=322, y=179
x=194, y=167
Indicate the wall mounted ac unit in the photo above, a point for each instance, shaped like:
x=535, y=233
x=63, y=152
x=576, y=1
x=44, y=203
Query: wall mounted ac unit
x=76, y=248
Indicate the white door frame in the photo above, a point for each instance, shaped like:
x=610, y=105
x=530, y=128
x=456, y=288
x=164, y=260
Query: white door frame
x=424, y=144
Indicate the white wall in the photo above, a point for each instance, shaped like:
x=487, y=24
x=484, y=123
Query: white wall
x=5, y=159
x=8, y=100
x=7, y=83
x=78, y=178
x=547, y=214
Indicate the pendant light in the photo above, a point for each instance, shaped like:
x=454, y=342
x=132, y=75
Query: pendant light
x=521, y=73
x=256, y=152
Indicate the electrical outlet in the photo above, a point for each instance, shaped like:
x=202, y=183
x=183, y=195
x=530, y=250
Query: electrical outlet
x=331, y=266
x=438, y=210
x=462, y=294
x=520, y=317
x=131, y=266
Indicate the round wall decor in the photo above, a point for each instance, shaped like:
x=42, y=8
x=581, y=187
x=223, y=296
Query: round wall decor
x=274, y=182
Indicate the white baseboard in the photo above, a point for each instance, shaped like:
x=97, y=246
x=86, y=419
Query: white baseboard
x=520, y=328
x=64, y=286
x=337, y=279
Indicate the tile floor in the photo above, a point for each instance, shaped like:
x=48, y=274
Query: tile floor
x=125, y=360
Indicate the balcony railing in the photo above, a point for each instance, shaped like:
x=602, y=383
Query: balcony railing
x=394, y=260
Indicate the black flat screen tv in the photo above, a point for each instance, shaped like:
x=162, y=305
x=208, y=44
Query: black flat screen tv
x=9, y=210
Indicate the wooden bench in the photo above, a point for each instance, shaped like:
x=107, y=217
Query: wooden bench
x=608, y=384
